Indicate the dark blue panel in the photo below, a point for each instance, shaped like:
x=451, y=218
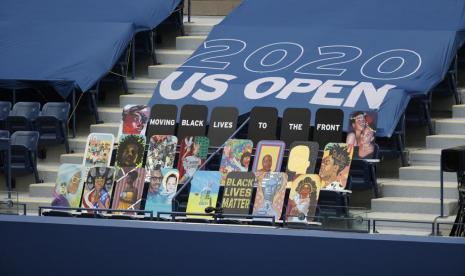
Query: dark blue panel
x=61, y=53
x=68, y=43
x=145, y=14
x=57, y=246
x=353, y=55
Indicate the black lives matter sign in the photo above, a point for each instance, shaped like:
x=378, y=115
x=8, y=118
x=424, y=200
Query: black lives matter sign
x=263, y=123
x=223, y=123
x=237, y=194
x=328, y=126
x=193, y=121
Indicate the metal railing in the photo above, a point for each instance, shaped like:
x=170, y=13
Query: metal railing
x=375, y=221
x=215, y=216
x=93, y=211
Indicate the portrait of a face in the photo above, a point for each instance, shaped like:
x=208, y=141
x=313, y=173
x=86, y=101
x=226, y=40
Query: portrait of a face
x=335, y=165
x=162, y=188
x=268, y=157
x=135, y=118
x=303, y=198
x=130, y=151
x=129, y=188
x=236, y=157
x=98, y=188
x=69, y=185
x=362, y=132
x=171, y=183
x=155, y=180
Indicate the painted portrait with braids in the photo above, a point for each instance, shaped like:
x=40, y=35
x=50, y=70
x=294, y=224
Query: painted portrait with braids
x=335, y=166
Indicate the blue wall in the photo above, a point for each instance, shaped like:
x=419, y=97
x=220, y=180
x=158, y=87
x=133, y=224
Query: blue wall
x=69, y=246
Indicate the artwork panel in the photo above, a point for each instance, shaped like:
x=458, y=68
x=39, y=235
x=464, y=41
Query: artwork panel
x=303, y=198
x=362, y=133
x=193, y=152
x=269, y=198
x=99, y=147
x=98, y=188
x=269, y=156
x=69, y=185
x=128, y=188
x=131, y=150
x=335, y=166
x=237, y=193
x=204, y=191
x=161, y=190
x=236, y=157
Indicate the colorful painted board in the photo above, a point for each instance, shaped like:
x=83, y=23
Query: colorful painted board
x=130, y=152
x=161, y=153
x=98, y=188
x=135, y=119
x=99, y=147
x=302, y=159
x=362, y=132
x=271, y=189
x=236, y=157
x=162, y=188
x=303, y=198
x=335, y=166
x=268, y=156
x=205, y=187
x=128, y=189
x=193, y=152
x=237, y=196
x=69, y=185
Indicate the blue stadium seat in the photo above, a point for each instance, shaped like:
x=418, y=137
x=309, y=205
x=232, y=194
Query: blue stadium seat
x=52, y=124
x=452, y=80
x=24, y=153
x=418, y=111
x=394, y=146
x=23, y=116
x=93, y=95
x=4, y=160
x=118, y=73
x=363, y=174
x=4, y=134
x=4, y=112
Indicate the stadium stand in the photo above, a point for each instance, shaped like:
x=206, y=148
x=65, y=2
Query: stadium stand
x=398, y=187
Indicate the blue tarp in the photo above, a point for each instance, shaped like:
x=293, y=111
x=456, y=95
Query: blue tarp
x=363, y=14
x=145, y=14
x=69, y=43
x=353, y=55
x=64, y=54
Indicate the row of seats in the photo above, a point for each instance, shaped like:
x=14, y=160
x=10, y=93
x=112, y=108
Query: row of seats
x=18, y=153
x=50, y=122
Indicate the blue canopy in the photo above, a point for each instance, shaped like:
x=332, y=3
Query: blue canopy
x=64, y=54
x=68, y=43
x=321, y=53
x=363, y=14
x=145, y=14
